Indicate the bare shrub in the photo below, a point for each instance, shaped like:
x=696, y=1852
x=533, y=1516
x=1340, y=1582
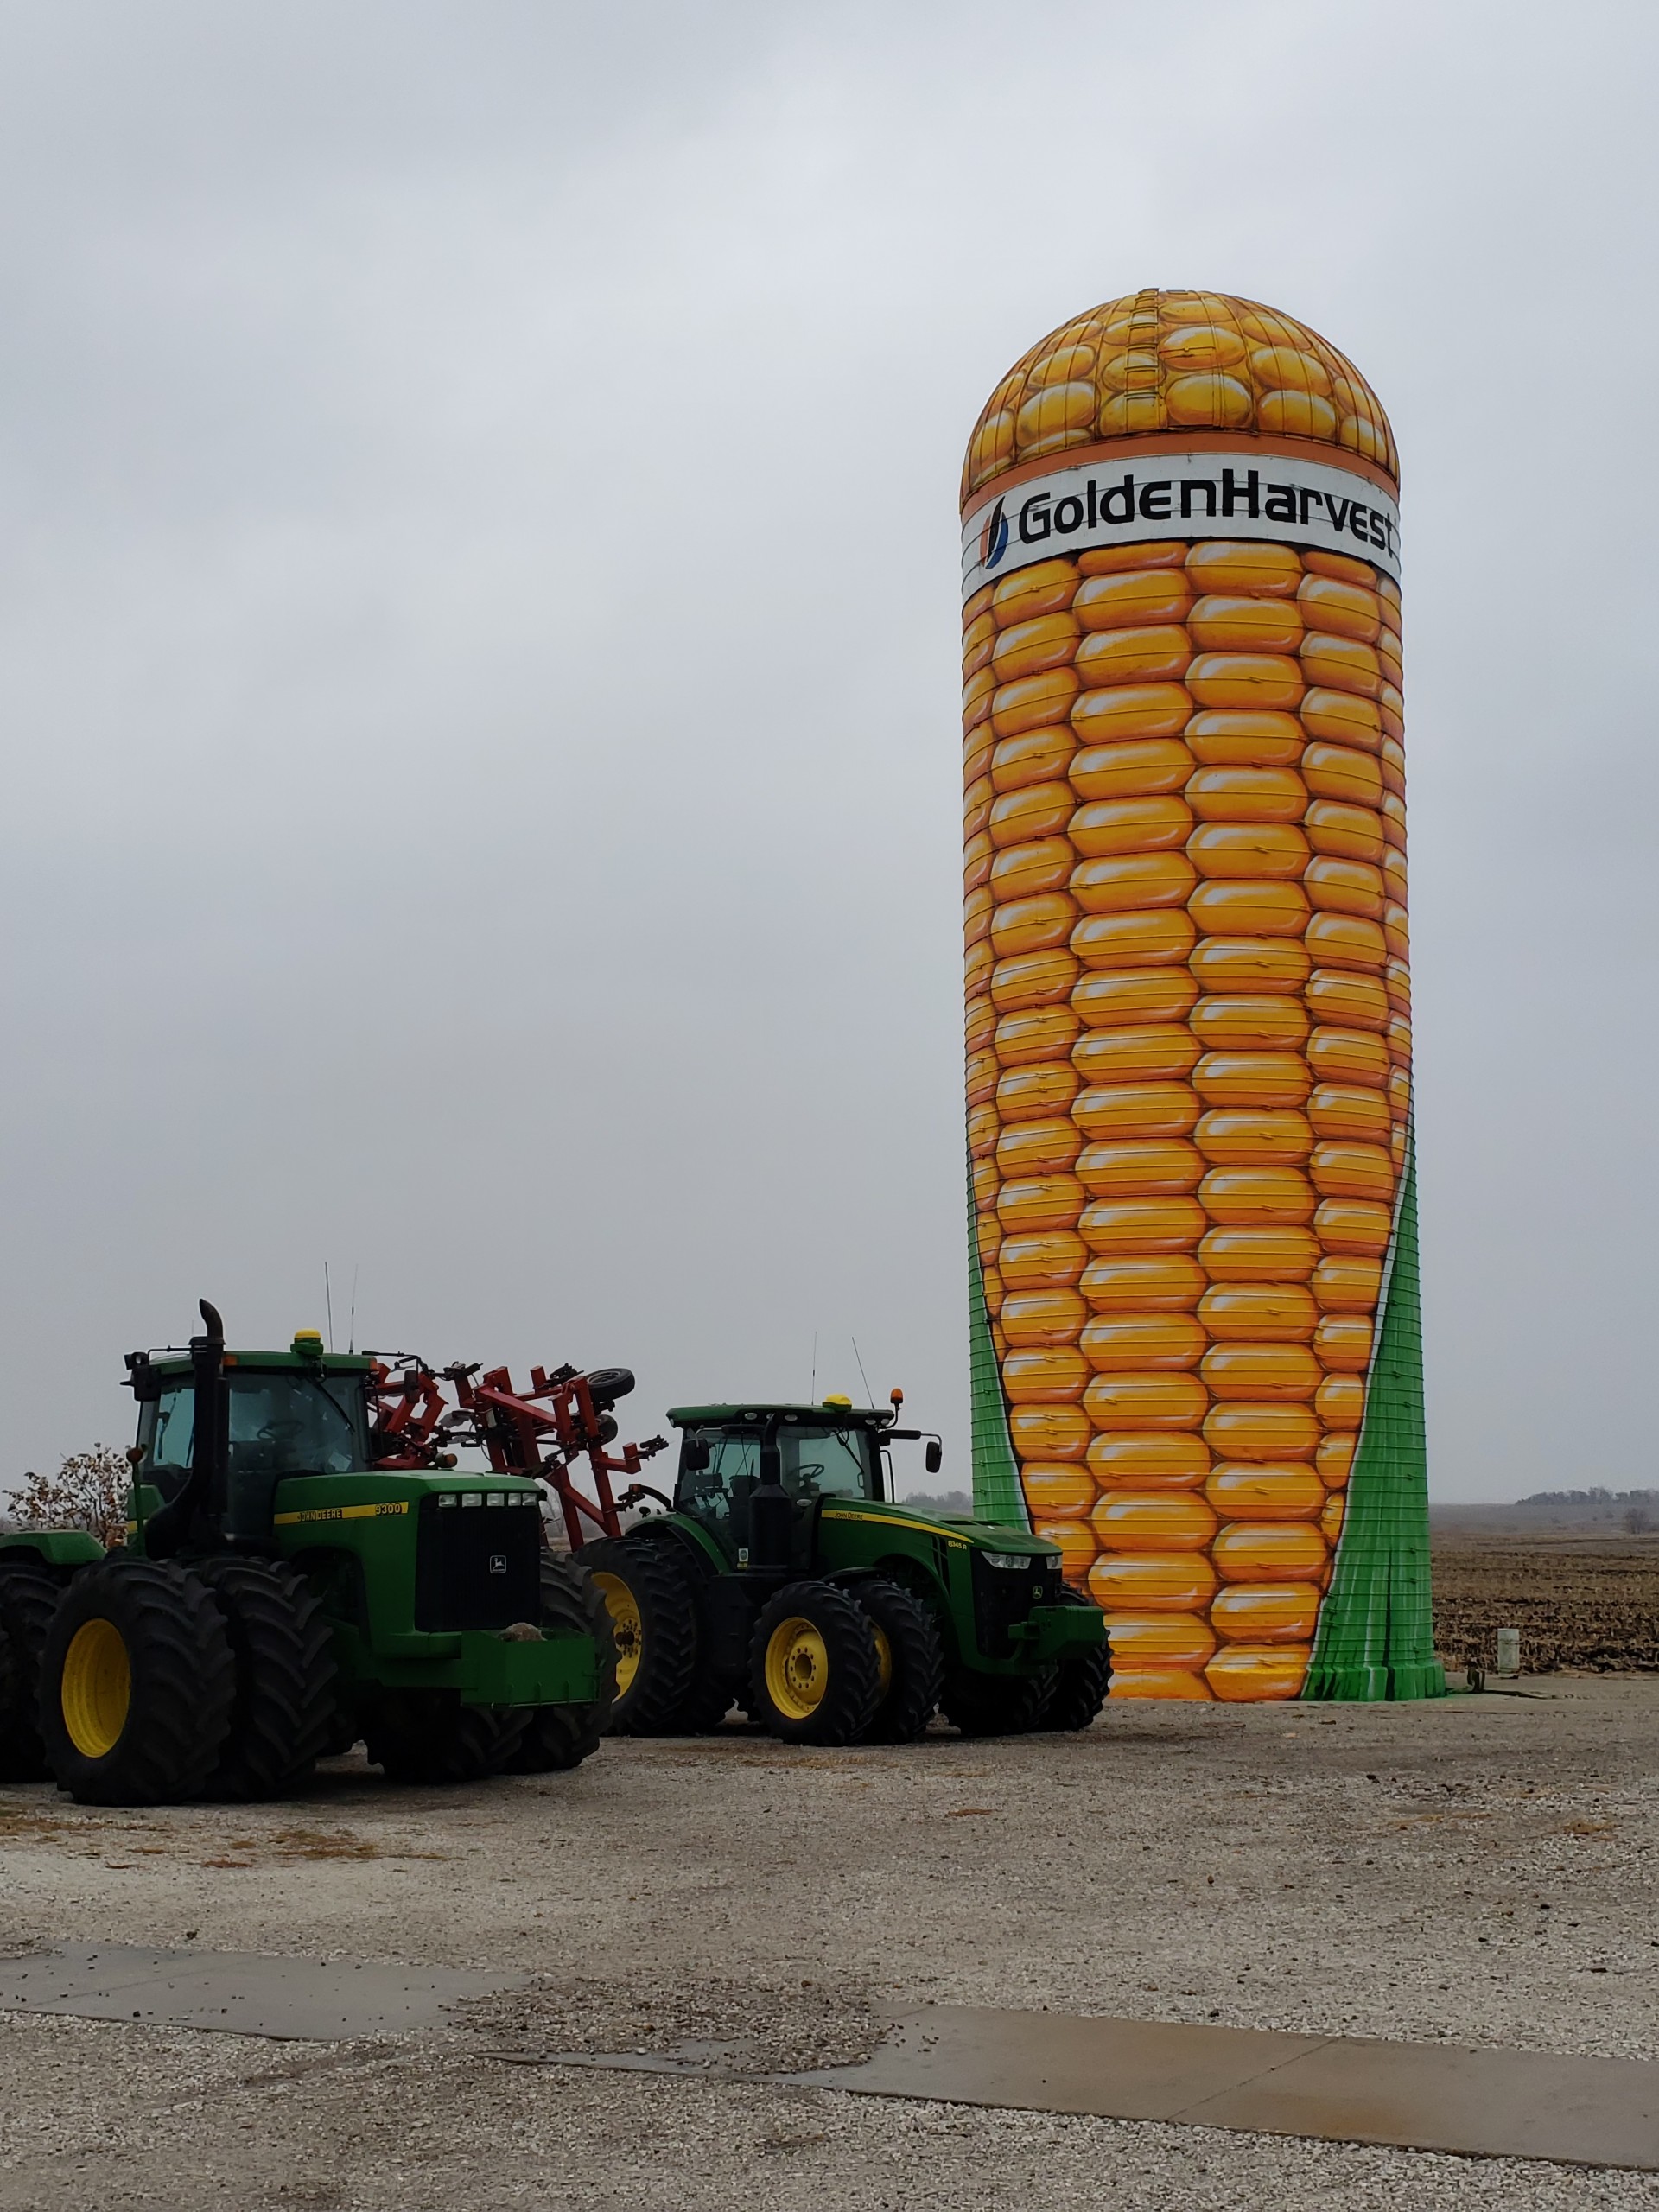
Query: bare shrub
x=89, y=1492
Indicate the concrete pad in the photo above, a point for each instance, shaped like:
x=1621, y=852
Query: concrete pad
x=1507, y=2104
x=1051, y=2062
x=1488, y=2103
x=238, y=1993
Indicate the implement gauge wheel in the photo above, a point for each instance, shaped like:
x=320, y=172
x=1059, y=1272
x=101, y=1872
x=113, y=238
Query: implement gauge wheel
x=814, y=1670
x=138, y=1685
x=653, y=1616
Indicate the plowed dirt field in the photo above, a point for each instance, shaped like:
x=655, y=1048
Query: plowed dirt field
x=1579, y=1601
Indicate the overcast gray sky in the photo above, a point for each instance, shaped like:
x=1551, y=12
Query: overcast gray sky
x=478, y=657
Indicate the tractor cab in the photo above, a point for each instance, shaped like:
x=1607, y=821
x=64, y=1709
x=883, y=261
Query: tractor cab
x=301, y=1412
x=832, y=1450
x=286, y=1417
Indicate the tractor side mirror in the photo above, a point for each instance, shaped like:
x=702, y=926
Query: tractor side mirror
x=933, y=1458
x=694, y=1455
x=143, y=1379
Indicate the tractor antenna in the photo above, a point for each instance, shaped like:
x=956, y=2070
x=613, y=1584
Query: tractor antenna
x=351, y=1340
x=862, y=1376
x=328, y=1300
x=812, y=1387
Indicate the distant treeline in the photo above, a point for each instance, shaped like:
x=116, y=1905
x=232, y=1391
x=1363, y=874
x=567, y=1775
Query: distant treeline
x=947, y=1501
x=1591, y=1497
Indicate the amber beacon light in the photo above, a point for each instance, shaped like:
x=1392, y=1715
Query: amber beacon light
x=1196, y=1352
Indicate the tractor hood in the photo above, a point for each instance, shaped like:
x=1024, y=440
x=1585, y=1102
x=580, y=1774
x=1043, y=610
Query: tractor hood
x=996, y=1536
x=982, y=1535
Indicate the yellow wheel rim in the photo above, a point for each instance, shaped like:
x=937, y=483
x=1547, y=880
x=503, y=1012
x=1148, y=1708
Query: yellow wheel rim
x=883, y=1657
x=627, y=1630
x=798, y=1668
x=95, y=1689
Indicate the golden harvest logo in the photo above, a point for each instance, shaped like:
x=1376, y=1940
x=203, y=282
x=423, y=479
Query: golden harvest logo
x=994, y=538
x=1183, y=494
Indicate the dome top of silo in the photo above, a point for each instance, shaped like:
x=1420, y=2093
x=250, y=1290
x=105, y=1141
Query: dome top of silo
x=1180, y=365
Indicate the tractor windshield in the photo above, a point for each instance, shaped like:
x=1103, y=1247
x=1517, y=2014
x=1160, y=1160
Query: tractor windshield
x=817, y=1461
x=826, y=1462
x=282, y=1422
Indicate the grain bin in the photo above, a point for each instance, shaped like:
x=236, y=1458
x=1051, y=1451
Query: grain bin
x=1196, y=1348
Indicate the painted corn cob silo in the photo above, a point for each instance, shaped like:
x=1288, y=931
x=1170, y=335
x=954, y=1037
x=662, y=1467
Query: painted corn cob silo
x=1197, y=1353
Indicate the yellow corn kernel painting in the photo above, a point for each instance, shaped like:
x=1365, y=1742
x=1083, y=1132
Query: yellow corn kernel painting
x=1197, y=1354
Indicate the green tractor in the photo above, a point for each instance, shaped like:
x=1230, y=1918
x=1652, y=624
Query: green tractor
x=304, y=1568
x=783, y=1576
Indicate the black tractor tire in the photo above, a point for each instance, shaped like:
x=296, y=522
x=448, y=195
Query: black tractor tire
x=559, y=1737
x=138, y=1685
x=28, y=1598
x=11, y=1704
x=1083, y=1681
x=429, y=1738
x=704, y=1707
x=995, y=1705
x=653, y=1616
x=912, y=1660
x=1081, y=1691
x=815, y=1676
x=285, y=1715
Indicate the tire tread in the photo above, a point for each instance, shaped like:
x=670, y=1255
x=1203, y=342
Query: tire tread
x=28, y=1599
x=183, y=1688
x=559, y=1737
x=854, y=1689
x=917, y=1659
x=427, y=1739
x=285, y=1713
x=651, y=1704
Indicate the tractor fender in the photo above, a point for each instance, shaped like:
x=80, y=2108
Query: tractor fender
x=60, y=1552
x=697, y=1550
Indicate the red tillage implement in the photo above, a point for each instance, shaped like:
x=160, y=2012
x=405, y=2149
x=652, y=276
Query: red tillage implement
x=542, y=1431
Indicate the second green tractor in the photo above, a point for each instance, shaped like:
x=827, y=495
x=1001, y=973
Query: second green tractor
x=783, y=1576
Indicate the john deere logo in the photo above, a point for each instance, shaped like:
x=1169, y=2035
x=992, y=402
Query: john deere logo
x=498, y=1562
x=994, y=538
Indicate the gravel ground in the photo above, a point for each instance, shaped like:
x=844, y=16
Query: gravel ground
x=1481, y=1869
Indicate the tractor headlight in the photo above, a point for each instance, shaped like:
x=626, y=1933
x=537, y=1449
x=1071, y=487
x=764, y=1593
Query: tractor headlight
x=447, y=1497
x=1017, y=1562
x=472, y=1497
